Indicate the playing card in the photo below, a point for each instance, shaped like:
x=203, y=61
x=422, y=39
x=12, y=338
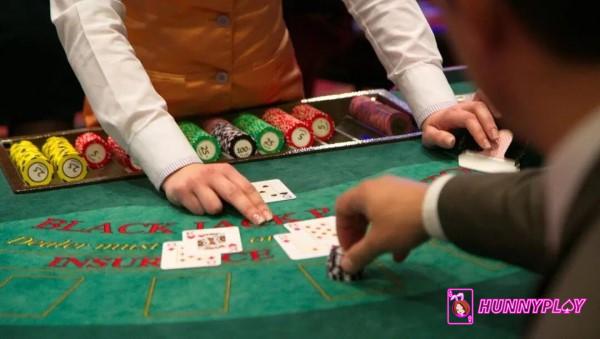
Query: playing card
x=298, y=246
x=499, y=149
x=273, y=190
x=321, y=230
x=221, y=240
x=481, y=163
x=176, y=255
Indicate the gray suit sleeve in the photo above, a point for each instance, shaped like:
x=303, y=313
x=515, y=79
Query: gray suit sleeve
x=497, y=215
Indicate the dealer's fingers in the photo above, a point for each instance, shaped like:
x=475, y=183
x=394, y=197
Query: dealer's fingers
x=208, y=199
x=234, y=195
x=485, y=117
x=250, y=192
x=433, y=136
x=189, y=200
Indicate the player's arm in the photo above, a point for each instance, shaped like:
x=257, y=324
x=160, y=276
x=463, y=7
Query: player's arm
x=405, y=45
x=498, y=216
x=121, y=94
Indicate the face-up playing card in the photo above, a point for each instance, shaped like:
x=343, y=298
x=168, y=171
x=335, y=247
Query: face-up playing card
x=273, y=190
x=221, y=240
x=176, y=255
x=321, y=230
x=298, y=246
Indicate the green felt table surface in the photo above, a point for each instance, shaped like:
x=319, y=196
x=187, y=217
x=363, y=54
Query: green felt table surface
x=96, y=273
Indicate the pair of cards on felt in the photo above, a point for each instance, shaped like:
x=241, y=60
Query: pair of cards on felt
x=200, y=248
x=203, y=248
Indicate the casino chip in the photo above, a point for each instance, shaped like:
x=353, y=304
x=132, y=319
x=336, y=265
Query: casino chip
x=233, y=141
x=122, y=157
x=33, y=166
x=334, y=266
x=94, y=149
x=268, y=138
x=383, y=118
x=320, y=123
x=70, y=166
x=205, y=144
x=296, y=133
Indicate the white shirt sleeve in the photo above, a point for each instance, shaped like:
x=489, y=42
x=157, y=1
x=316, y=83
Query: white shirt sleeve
x=431, y=217
x=118, y=88
x=406, y=47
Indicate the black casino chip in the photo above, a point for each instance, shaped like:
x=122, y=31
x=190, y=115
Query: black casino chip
x=334, y=267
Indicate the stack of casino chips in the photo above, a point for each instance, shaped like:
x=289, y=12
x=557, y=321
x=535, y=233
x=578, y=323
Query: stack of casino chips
x=383, y=118
x=94, y=149
x=320, y=123
x=233, y=141
x=35, y=168
x=296, y=133
x=334, y=267
x=122, y=157
x=268, y=138
x=205, y=144
x=70, y=166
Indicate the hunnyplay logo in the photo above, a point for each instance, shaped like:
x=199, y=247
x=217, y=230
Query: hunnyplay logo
x=460, y=306
x=531, y=306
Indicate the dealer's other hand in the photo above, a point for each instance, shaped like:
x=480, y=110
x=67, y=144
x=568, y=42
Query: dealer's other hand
x=392, y=206
x=474, y=115
x=200, y=188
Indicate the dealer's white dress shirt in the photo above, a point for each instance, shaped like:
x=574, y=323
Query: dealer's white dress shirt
x=119, y=90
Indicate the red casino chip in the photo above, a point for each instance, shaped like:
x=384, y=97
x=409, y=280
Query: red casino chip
x=381, y=117
x=122, y=157
x=296, y=132
x=320, y=123
x=94, y=149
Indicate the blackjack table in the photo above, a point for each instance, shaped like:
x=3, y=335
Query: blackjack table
x=84, y=261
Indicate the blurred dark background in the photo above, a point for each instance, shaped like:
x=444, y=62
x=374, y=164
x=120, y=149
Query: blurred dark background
x=42, y=93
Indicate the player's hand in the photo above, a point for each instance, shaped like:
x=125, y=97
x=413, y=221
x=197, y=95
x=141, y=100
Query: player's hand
x=392, y=206
x=200, y=188
x=474, y=115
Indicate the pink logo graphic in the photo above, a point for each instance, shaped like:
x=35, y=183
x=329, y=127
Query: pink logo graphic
x=459, y=306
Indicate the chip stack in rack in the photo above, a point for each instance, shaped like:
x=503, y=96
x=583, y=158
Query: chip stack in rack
x=33, y=166
x=122, y=157
x=320, y=123
x=381, y=117
x=233, y=141
x=70, y=166
x=334, y=267
x=296, y=133
x=205, y=144
x=268, y=138
x=94, y=149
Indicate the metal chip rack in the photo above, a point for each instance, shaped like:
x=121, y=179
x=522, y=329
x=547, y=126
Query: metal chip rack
x=348, y=133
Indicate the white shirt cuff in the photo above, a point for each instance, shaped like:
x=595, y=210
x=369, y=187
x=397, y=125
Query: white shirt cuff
x=425, y=89
x=160, y=148
x=431, y=217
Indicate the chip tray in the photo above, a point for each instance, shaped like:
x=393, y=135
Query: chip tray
x=348, y=133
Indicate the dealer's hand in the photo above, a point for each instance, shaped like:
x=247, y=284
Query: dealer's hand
x=198, y=187
x=474, y=115
x=392, y=206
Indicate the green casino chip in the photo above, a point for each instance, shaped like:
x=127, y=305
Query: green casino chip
x=268, y=138
x=205, y=144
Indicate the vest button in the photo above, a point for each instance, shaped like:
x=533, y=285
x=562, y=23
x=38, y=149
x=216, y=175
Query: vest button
x=223, y=20
x=222, y=77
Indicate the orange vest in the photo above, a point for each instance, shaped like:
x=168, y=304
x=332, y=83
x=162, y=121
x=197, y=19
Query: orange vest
x=209, y=56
